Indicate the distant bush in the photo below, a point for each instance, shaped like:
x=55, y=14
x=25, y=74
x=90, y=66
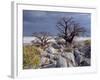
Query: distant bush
x=31, y=57
x=68, y=50
x=58, y=50
x=87, y=42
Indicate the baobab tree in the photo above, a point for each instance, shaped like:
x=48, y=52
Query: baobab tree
x=43, y=38
x=68, y=29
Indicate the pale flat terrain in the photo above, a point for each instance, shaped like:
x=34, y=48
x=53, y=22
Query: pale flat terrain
x=29, y=39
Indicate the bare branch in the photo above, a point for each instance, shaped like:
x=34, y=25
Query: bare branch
x=68, y=29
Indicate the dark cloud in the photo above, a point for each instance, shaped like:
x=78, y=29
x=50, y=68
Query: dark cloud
x=37, y=21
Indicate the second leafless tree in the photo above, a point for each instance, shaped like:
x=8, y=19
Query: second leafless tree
x=43, y=38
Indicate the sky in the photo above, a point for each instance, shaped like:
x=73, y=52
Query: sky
x=46, y=21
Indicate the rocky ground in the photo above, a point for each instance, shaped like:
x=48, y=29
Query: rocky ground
x=56, y=55
x=50, y=58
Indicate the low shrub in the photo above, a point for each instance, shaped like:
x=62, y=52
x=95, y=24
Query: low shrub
x=87, y=42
